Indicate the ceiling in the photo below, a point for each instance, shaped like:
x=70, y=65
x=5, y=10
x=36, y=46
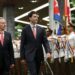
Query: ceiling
x=27, y=6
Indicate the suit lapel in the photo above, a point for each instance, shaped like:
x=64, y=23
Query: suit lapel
x=30, y=32
x=4, y=38
x=37, y=31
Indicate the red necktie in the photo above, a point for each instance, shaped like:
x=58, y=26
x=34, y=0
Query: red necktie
x=34, y=31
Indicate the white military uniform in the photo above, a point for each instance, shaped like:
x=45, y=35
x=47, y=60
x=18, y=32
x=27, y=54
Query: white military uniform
x=70, y=45
x=62, y=44
x=53, y=42
x=16, y=46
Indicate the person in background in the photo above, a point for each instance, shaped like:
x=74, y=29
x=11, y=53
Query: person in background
x=71, y=30
x=71, y=48
x=6, y=49
x=32, y=38
x=16, y=46
x=48, y=32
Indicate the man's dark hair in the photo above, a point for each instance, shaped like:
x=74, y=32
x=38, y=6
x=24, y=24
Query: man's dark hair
x=48, y=32
x=31, y=13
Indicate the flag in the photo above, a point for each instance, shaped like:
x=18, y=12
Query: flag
x=56, y=11
x=57, y=17
x=59, y=32
x=67, y=12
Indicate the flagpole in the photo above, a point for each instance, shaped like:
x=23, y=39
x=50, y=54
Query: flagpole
x=51, y=14
x=65, y=15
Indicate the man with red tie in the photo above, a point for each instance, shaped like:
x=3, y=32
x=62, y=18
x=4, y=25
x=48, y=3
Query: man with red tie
x=32, y=38
x=6, y=49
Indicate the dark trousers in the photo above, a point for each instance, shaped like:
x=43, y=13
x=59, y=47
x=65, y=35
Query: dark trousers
x=72, y=66
x=56, y=67
x=5, y=73
x=62, y=66
x=34, y=67
x=67, y=68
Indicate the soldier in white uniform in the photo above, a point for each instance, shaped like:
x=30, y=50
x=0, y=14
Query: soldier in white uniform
x=71, y=40
x=54, y=53
x=61, y=40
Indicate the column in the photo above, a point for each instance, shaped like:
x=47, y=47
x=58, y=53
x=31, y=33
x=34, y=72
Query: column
x=51, y=14
x=8, y=14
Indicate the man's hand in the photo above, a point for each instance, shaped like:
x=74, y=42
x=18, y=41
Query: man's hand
x=12, y=66
x=48, y=55
x=23, y=61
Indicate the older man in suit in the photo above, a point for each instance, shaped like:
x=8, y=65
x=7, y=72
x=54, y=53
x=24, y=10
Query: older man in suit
x=6, y=49
x=32, y=38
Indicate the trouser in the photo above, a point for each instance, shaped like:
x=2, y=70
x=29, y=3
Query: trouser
x=67, y=67
x=72, y=66
x=34, y=67
x=62, y=66
x=5, y=73
x=56, y=66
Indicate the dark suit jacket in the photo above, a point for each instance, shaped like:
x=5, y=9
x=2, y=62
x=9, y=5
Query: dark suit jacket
x=31, y=48
x=6, y=52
